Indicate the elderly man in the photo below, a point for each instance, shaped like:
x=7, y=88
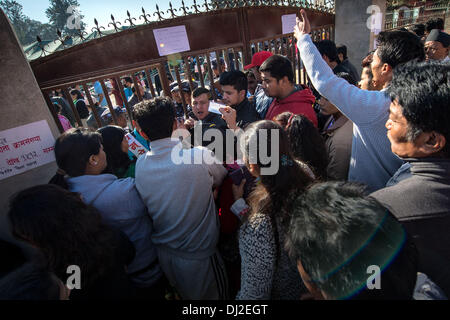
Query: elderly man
x=419, y=133
x=437, y=45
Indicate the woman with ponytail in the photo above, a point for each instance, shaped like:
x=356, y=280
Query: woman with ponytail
x=306, y=142
x=81, y=160
x=266, y=271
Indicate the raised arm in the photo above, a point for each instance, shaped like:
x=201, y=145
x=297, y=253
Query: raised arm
x=360, y=106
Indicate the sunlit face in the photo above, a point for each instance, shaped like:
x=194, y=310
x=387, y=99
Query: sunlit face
x=397, y=127
x=232, y=97
x=376, y=66
x=366, y=79
x=434, y=50
x=270, y=85
x=124, y=145
x=326, y=107
x=200, y=106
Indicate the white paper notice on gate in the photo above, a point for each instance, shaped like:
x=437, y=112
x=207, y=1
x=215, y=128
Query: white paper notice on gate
x=26, y=147
x=288, y=22
x=171, y=40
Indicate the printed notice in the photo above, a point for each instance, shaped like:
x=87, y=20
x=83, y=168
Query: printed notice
x=171, y=40
x=214, y=107
x=288, y=22
x=24, y=148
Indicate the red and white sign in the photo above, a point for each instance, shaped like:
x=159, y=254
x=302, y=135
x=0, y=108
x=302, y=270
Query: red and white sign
x=26, y=147
x=135, y=146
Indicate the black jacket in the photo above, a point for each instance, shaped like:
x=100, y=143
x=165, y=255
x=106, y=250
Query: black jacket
x=245, y=113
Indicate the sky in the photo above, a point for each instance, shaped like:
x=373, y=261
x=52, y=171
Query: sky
x=102, y=9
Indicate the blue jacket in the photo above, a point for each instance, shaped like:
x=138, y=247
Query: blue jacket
x=121, y=206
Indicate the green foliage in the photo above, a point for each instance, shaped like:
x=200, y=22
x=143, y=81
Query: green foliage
x=26, y=29
x=60, y=19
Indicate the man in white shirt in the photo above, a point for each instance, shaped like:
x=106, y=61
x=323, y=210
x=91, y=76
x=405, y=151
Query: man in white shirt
x=177, y=186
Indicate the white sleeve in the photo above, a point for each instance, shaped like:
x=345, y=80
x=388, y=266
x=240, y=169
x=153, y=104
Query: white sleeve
x=360, y=106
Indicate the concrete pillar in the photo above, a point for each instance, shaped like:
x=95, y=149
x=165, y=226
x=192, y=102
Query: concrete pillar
x=22, y=103
x=352, y=30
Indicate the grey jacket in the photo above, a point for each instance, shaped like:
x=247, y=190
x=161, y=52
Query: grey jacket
x=178, y=194
x=121, y=206
x=422, y=204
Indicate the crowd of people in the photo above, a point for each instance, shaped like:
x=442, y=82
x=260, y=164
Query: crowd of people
x=357, y=208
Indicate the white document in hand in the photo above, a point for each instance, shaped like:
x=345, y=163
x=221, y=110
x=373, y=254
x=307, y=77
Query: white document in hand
x=214, y=107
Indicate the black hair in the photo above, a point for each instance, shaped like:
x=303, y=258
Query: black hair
x=16, y=257
x=418, y=29
x=234, y=78
x=76, y=93
x=117, y=160
x=328, y=48
x=290, y=175
x=403, y=29
x=434, y=23
x=57, y=107
x=397, y=47
x=29, y=282
x=65, y=229
x=72, y=151
x=128, y=80
x=155, y=117
x=199, y=91
x=308, y=145
x=273, y=194
x=342, y=49
x=423, y=92
x=250, y=73
x=278, y=67
x=347, y=76
x=336, y=233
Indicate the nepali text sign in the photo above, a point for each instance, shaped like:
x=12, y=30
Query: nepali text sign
x=24, y=148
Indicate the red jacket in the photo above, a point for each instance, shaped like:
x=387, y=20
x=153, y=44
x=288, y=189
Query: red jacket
x=299, y=102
